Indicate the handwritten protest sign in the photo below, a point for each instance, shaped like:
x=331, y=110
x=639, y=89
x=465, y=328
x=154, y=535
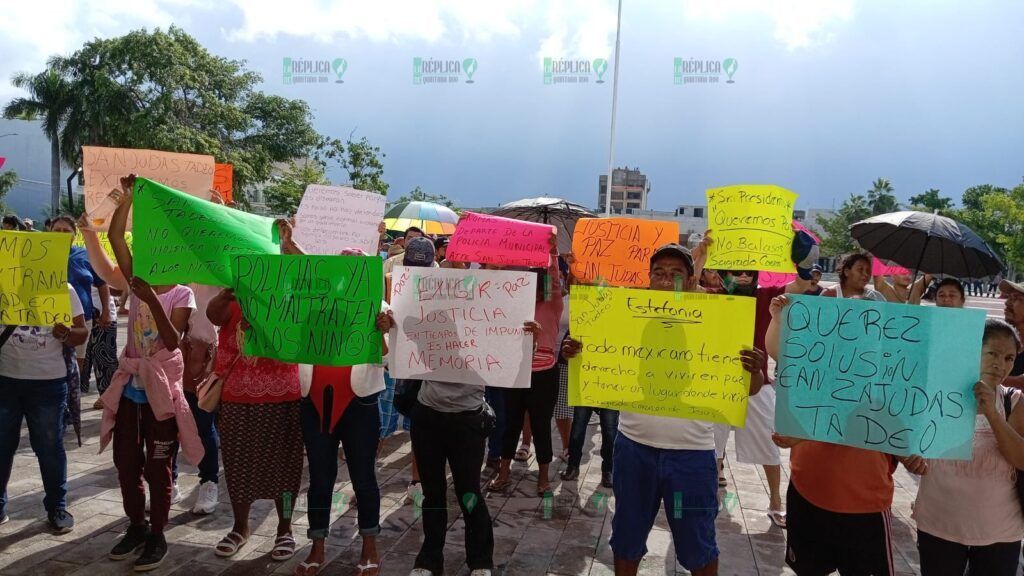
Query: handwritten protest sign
x=888, y=377
x=332, y=218
x=224, y=180
x=496, y=240
x=752, y=226
x=105, y=243
x=617, y=251
x=661, y=353
x=34, y=278
x=182, y=239
x=104, y=167
x=463, y=326
x=311, y=309
x=879, y=268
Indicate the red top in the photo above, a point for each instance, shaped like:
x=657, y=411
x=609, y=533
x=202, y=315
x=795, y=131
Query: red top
x=842, y=478
x=331, y=392
x=252, y=380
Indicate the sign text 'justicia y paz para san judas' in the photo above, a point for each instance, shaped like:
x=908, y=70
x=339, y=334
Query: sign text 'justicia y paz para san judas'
x=752, y=225
x=34, y=278
x=889, y=377
x=318, y=310
x=463, y=326
x=617, y=251
x=661, y=353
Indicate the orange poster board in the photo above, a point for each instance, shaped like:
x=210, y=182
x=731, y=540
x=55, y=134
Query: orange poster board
x=223, y=180
x=617, y=251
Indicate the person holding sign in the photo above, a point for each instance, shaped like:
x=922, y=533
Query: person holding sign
x=537, y=401
x=259, y=423
x=968, y=513
x=34, y=387
x=839, y=497
x=144, y=409
x=854, y=275
x=902, y=290
x=671, y=460
x=1013, y=312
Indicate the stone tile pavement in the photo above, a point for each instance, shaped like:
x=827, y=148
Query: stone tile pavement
x=568, y=535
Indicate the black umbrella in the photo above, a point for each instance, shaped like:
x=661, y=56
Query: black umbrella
x=561, y=214
x=927, y=243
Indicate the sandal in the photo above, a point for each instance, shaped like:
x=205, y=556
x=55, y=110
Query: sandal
x=284, y=548
x=778, y=518
x=368, y=569
x=523, y=454
x=304, y=569
x=499, y=486
x=230, y=545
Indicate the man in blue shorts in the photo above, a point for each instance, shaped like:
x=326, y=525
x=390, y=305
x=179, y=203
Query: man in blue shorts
x=671, y=460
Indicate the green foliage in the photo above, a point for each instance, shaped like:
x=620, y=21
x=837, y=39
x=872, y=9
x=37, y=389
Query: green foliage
x=997, y=215
x=930, y=201
x=971, y=199
x=836, y=239
x=880, y=198
x=163, y=90
x=285, y=191
x=7, y=181
x=418, y=195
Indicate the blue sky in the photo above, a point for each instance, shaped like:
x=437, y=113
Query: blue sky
x=828, y=94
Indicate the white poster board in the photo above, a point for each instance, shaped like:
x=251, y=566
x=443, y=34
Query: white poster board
x=332, y=218
x=463, y=326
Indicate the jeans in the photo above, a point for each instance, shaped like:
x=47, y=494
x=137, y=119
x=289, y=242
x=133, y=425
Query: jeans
x=357, y=432
x=438, y=437
x=209, y=467
x=41, y=403
x=539, y=401
x=578, y=436
x=144, y=446
x=496, y=398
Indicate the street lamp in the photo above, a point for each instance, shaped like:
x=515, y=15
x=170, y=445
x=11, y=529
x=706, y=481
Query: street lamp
x=8, y=134
x=71, y=200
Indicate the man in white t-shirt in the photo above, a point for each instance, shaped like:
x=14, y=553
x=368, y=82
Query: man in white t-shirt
x=671, y=460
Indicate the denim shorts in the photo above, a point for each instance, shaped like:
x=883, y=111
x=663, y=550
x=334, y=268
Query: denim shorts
x=684, y=481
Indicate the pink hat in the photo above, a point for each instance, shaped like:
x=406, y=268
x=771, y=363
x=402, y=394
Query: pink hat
x=352, y=252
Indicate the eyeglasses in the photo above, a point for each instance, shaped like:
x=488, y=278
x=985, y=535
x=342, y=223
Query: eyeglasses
x=741, y=273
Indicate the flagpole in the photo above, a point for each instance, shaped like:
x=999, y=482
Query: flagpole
x=615, y=103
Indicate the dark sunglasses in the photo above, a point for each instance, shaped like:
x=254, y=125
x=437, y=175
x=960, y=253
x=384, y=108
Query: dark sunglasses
x=741, y=273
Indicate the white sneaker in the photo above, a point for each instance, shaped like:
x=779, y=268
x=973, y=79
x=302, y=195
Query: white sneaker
x=421, y=572
x=206, y=502
x=415, y=493
x=480, y=572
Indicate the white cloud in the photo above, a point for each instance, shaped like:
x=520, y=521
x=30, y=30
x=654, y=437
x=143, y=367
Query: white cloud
x=797, y=24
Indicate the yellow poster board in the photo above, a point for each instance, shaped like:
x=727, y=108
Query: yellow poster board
x=752, y=226
x=104, y=242
x=661, y=353
x=34, y=278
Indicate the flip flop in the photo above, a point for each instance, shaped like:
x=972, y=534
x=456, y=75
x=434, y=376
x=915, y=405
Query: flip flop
x=303, y=569
x=778, y=518
x=232, y=545
x=285, y=544
x=363, y=568
x=496, y=486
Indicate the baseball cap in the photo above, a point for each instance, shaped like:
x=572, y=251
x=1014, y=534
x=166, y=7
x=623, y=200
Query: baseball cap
x=419, y=251
x=674, y=250
x=805, y=252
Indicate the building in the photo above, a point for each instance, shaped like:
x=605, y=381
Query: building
x=629, y=191
x=26, y=151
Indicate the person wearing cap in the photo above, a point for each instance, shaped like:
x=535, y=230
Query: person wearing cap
x=410, y=233
x=754, y=441
x=657, y=458
x=816, y=288
x=1013, y=312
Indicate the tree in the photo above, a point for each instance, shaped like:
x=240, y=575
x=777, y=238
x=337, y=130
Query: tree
x=930, y=201
x=1004, y=215
x=880, y=198
x=418, y=195
x=164, y=90
x=49, y=99
x=971, y=199
x=285, y=192
x=836, y=237
x=7, y=181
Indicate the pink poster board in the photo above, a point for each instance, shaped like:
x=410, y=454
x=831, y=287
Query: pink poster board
x=496, y=240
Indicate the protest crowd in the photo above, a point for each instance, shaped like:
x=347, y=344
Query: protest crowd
x=255, y=348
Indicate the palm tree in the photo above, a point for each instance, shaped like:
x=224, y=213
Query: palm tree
x=880, y=198
x=48, y=100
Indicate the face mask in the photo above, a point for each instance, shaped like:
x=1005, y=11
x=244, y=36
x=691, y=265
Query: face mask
x=729, y=283
x=384, y=254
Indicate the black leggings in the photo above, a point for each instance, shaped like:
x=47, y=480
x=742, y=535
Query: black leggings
x=539, y=400
x=944, y=558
